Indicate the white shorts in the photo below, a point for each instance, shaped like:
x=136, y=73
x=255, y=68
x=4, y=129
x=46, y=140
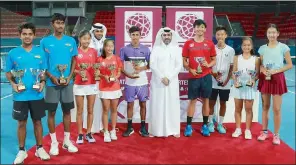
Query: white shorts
x=110, y=94
x=83, y=90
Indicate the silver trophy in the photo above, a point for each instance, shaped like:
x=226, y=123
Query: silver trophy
x=268, y=67
x=96, y=68
x=61, y=68
x=237, y=75
x=19, y=75
x=252, y=74
x=83, y=67
x=220, y=73
x=199, y=60
x=37, y=73
x=136, y=63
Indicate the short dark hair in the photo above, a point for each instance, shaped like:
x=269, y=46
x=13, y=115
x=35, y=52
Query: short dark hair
x=134, y=29
x=58, y=16
x=199, y=22
x=27, y=26
x=218, y=28
x=272, y=25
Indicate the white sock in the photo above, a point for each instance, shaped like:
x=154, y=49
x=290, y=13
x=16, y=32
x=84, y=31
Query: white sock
x=221, y=118
x=239, y=129
x=53, y=137
x=211, y=118
x=66, y=136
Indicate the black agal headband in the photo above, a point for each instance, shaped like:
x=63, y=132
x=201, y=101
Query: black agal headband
x=98, y=27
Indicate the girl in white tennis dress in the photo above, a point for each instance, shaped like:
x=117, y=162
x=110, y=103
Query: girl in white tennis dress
x=244, y=89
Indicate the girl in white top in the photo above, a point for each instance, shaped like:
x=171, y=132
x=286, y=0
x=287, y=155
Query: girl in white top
x=244, y=94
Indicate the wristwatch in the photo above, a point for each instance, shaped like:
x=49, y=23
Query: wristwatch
x=42, y=81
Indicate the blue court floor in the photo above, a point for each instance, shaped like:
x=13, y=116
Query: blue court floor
x=9, y=143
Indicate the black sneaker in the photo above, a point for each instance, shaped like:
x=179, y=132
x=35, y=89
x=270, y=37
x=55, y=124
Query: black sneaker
x=128, y=132
x=143, y=132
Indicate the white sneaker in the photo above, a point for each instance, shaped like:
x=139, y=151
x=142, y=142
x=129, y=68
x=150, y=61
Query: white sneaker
x=79, y=139
x=20, y=157
x=107, y=138
x=237, y=133
x=248, y=134
x=54, y=148
x=67, y=145
x=113, y=135
x=42, y=154
x=90, y=138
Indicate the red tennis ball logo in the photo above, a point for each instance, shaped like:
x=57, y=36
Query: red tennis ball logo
x=184, y=26
x=140, y=20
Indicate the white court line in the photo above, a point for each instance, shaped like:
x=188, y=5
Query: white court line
x=291, y=92
x=6, y=96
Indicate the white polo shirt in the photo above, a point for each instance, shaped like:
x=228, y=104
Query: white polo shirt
x=224, y=60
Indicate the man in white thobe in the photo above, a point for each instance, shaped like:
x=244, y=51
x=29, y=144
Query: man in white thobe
x=165, y=64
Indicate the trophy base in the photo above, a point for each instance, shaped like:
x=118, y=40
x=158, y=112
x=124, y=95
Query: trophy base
x=97, y=78
x=249, y=84
x=238, y=85
x=84, y=79
x=62, y=81
x=199, y=72
x=268, y=78
x=219, y=84
x=21, y=87
x=111, y=79
x=136, y=76
x=36, y=86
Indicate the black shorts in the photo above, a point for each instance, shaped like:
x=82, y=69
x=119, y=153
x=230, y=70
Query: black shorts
x=200, y=87
x=21, y=109
x=223, y=94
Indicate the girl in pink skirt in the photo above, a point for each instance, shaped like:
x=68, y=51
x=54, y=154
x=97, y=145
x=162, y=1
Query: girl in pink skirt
x=272, y=79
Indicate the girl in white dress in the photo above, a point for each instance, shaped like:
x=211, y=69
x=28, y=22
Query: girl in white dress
x=244, y=89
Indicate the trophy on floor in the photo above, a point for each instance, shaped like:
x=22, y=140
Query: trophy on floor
x=237, y=75
x=96, y=67
x=199, y=60
x=37, y=73
x=268, y=67
x=61, y=69
x=19, y=75
x=135, y=63
x=83, y=67
x=112, y=68
x=220, y=73
x=252, y=74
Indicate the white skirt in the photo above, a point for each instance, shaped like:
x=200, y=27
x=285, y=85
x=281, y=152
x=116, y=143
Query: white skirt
x=83, y=90
x=245, y=92
x=110, y=94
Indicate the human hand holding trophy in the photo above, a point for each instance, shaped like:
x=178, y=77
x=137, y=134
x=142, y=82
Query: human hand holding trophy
x=37, y=73
x=199, y=61
x=136, y=65
x=83, y=69
x=112, y=68
x=237, y=82
x=220, y=75
x=96, y=68
x=251, y=81
x=61, y=68
x=18, y=74
x=268, y=67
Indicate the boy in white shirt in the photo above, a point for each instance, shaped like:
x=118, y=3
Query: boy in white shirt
x=221, y=75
